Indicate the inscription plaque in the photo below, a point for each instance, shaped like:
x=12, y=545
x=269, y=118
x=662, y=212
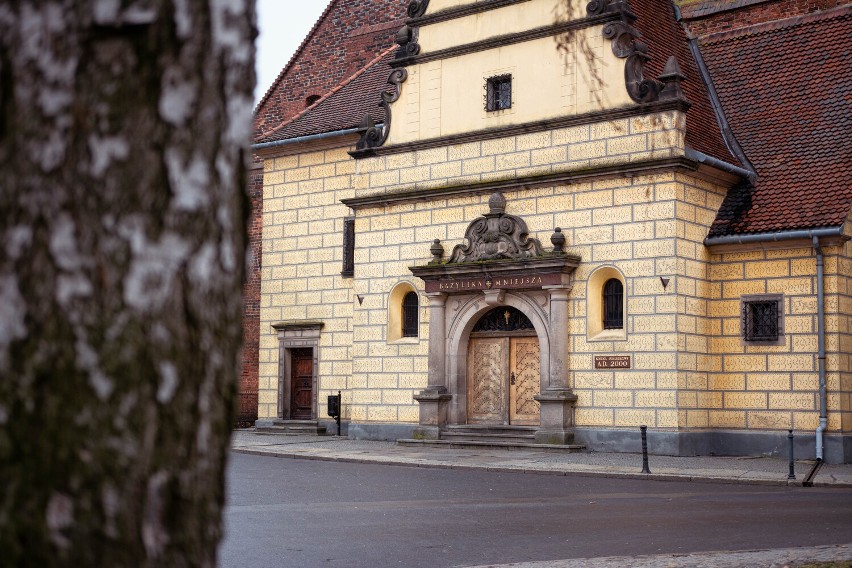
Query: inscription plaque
x=612, y=361
x=496, y=283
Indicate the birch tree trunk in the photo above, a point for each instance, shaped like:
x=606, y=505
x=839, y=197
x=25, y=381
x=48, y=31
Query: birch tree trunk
x=124, y=127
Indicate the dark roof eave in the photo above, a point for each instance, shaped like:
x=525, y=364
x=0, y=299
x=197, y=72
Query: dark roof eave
x=307, y=138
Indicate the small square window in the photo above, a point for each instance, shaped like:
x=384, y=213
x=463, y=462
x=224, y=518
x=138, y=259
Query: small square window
x=498, y=93
x=762, y=319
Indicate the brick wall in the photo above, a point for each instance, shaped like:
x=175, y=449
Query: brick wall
x=350, y=35
x=712, y=16
x=248, y=384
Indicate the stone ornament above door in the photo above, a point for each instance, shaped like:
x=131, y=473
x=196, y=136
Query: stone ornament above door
x=498, y=255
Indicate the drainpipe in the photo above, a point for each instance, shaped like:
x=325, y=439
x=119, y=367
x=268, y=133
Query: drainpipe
x=823, y=420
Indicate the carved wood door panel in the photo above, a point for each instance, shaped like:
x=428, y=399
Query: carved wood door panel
x=524, y=381
x=302, y=378
x=504, y=376
x=487, y=368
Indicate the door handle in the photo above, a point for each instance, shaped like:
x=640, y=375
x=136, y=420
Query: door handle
x=512, y=379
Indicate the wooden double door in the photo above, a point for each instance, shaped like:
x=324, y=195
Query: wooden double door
x=503, y=377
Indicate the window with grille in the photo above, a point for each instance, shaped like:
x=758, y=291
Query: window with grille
x=762, y=321
x=613, y=300
x=410, y=321
x=348, y=248
x=498, y=93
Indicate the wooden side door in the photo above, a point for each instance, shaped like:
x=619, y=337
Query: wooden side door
x=301, y=381
x=487, y=370
x=524, y=381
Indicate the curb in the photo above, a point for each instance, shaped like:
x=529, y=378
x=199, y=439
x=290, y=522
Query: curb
x=535, y=471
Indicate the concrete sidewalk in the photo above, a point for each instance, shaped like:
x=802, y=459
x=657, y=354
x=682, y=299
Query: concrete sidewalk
x=743, y=470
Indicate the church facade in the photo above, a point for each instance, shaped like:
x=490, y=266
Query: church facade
x=545, y=230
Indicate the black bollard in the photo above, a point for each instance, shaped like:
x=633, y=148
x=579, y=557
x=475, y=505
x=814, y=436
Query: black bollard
x=644, y=430
x=792, y=474
x=339, y=412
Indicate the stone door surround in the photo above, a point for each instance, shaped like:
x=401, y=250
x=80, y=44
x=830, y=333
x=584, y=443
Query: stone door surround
x=499, y=266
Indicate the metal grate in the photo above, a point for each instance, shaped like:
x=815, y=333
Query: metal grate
x=613, y=298
x=760, y=320
x=410, y=321
x=498, y=93
x=503, y=319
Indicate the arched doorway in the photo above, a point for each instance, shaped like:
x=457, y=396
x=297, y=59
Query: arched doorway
x=503, y=369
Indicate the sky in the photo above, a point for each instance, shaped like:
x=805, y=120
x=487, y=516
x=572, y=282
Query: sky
x=283, y=24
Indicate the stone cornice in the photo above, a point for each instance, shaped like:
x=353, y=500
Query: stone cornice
x=516, y=183
x=508, y=39
x=527, y=128
x=295, y=325
x=460, y=12
x=495, y=269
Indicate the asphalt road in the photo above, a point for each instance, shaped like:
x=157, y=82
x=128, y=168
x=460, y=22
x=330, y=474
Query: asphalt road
x=302, y=513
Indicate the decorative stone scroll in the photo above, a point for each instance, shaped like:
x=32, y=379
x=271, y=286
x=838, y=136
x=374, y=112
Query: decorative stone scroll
x=406, y=39
x=496, y=235
x=373, y=135
x=417, y=8
x=626, y=45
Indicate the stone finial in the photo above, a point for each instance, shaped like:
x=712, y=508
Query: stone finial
x=497, y=203
x=558, y=240
x=437, y=250
x=671, y=79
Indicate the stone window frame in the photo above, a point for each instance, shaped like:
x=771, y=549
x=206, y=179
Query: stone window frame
x=595, y=305
x=750, y=299
x=348, y=270
x=395, y=313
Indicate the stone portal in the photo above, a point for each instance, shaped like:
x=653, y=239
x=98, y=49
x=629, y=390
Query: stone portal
x=499, y=267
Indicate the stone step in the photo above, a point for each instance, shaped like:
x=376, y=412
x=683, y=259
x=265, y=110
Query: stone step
x=293, y=428
x=503, y=445
x=525, y=437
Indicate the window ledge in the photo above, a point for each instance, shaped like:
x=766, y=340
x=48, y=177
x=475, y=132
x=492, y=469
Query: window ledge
x=404, y=341
x=609, y=335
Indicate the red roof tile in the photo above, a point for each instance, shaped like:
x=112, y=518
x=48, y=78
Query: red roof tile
x=346, y=37
x=665, y=37
x=786, y=88
x=345, y=106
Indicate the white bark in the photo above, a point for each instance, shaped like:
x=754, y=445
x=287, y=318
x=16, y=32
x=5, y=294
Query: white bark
x=124, y=127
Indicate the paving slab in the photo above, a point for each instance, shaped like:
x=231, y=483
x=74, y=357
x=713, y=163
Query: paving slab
x=747, y=470
x=775, y=558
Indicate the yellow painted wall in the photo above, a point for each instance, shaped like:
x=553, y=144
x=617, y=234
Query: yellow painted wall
x=447, y=96
x=508, y=20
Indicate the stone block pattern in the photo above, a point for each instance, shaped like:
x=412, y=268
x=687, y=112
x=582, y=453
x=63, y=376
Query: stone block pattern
x=689, y=368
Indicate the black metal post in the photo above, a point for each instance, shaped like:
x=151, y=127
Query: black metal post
x=792, y=474
x=644, y=430
x=339, y=411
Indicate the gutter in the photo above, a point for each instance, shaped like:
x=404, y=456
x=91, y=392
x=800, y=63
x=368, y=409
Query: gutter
x=814, y=235
x=703, y=158
x=308, y=138
x=809, y=234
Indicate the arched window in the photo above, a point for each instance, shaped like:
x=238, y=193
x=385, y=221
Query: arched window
x=311, y=99
x=410, y=321
x=613, y=304
x=606, y=305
